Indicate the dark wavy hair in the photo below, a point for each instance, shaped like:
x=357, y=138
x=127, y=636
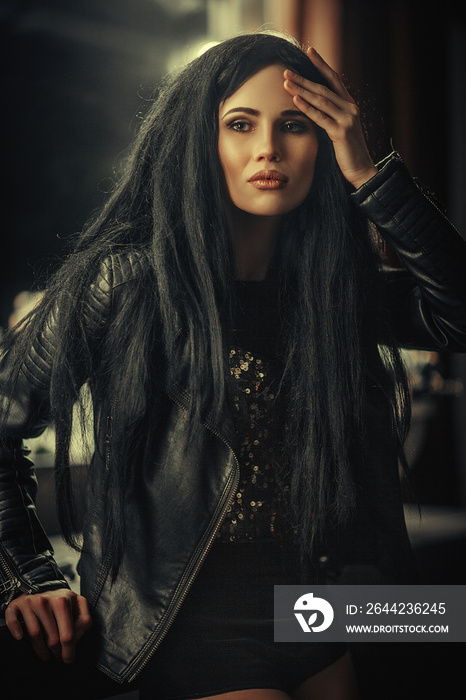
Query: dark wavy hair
x=170, y=204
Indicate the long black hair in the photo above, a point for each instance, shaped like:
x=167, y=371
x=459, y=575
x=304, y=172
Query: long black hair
x=170, y=206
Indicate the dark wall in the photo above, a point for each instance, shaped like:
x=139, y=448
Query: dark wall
x=397, y=54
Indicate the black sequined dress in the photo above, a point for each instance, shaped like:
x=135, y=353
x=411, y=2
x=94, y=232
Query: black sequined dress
x=260, y=508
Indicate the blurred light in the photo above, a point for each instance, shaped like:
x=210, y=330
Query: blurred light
x=202, y=48
x=180, y=57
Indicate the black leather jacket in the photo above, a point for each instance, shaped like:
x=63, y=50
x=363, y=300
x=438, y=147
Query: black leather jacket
x=426, y=304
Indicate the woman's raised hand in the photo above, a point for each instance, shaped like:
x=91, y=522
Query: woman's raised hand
x=54, y=620
x=335, y=111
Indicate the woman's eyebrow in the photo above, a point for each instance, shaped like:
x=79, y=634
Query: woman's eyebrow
x=255, y=112
x=247, y=110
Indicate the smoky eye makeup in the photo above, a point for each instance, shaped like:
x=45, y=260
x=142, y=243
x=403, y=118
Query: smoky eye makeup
x=239, y=125
x=297, y=126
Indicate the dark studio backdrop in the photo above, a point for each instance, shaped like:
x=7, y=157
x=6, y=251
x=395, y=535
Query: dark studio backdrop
x=76, y=74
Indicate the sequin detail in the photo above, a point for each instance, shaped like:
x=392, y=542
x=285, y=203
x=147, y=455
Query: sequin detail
x=257, y=508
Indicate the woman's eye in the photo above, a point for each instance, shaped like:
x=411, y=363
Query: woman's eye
x=294, y=127
x=239, y=125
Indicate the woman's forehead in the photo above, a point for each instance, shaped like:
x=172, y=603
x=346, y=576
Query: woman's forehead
x=264, y=85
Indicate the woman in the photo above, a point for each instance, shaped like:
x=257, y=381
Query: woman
x=227, y=308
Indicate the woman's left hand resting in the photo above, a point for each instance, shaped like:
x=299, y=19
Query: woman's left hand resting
x=335, y=111
x=54, y=621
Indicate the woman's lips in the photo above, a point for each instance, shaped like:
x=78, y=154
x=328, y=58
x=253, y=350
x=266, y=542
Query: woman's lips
x=268, y=180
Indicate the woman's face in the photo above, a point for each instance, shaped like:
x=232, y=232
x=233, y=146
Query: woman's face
x=267, y=147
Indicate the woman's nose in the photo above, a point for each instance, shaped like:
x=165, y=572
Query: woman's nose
x=267, y=145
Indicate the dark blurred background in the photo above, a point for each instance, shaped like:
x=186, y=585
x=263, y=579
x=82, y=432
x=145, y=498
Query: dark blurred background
x=77, y=75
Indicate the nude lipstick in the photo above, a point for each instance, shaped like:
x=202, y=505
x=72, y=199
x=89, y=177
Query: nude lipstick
x=268, y=180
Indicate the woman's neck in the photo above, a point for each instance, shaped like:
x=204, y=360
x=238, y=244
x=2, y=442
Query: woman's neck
x=254, y=242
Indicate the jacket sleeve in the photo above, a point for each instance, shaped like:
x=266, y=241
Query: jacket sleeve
x=26, y=555
x=426, y=302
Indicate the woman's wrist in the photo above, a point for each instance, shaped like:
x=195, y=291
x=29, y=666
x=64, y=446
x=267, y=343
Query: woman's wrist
x=361, y=178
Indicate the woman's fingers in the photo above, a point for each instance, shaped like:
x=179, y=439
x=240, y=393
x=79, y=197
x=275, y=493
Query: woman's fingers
x=21, y=609
x=12, y=619
x=53, y=620
x=332, y=77
x=326, y=106
x=82, y=616
x=58, y=625
x=334, y=110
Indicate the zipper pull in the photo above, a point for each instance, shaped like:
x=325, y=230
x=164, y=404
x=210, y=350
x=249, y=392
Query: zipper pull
x=9, y=585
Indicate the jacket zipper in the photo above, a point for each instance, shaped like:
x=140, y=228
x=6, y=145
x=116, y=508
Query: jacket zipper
x=422, y=190
x=14, y=582
x=437, y=208
x=108, y=558
x=188, y=579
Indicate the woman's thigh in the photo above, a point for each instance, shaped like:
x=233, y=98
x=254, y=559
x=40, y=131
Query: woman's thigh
x=336, y=682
